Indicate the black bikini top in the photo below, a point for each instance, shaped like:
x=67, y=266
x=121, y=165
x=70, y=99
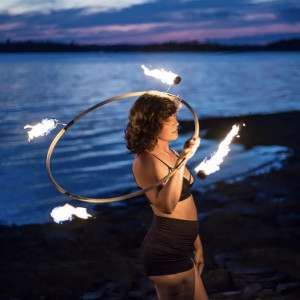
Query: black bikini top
x=186, y=184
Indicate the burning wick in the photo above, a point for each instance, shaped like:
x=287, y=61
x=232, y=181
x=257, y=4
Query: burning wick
x=42, y=128
x=66, y=212
x=207, y=167
x=164, y=76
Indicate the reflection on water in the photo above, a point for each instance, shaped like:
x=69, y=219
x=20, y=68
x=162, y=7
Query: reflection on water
x=91, y=158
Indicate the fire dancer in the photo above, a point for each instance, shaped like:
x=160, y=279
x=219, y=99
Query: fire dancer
x=173, y=237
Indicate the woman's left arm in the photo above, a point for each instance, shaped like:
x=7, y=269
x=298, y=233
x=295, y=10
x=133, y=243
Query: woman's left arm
x=198, y=255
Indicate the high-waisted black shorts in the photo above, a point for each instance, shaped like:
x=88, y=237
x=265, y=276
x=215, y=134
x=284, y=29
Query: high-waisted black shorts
x=168, y=246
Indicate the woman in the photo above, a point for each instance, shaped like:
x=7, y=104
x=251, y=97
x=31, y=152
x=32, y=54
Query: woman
x=171, y=252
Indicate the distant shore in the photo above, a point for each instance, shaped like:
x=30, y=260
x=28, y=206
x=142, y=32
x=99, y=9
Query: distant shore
x=249, y=230
x=48, y=46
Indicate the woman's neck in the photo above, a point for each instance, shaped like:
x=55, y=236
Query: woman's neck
x=162, y=147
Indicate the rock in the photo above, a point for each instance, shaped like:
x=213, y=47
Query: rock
x=228, y=260
x=92, y=296
x=268, y=278
x=98, y=283
x=114, y=296
x=146, y=286
x=217, y=280
x=142, y=288
x=253, y=273
x=108, y=291
x=138, y=295
x=291, y=219
x=111, y=288
x=252, y=288
x=283, y=287
x=229, y=295
x=272, y=281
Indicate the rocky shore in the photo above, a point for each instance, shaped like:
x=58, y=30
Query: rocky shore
x=249, y=230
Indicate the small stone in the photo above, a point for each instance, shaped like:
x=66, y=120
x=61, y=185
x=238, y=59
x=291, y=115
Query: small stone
x=217, y=280
x=252, y=288
x=111, y=288
x=136, y=295
x=283, y=287
x=92, y=296
x=232, y=295
x=228, y=260
x=291, y=219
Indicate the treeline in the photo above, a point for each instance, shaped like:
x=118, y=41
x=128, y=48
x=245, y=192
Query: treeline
x=32, y=46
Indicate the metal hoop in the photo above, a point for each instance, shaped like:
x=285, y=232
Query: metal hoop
x=119, y=198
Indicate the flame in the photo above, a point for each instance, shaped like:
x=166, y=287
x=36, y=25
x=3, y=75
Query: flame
x=42, y=128
x=164, y=76
x=66, y=212
x=212, y=165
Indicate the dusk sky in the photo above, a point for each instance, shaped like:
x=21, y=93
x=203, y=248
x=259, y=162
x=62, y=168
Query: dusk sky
x=148, y=21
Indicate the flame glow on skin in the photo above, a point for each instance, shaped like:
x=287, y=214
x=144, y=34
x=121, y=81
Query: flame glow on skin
x=208, y=166
x=41, y=129
x=67, y=212
x=161, y=74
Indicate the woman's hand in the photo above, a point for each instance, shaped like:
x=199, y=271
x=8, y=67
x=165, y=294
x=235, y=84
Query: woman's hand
x=190, y=147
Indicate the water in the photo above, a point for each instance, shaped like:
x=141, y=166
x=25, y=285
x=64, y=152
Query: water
x=91, y=158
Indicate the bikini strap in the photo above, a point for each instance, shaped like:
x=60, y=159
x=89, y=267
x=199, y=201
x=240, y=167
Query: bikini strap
x=178, y=156
x=170, y=169
x=174, y=153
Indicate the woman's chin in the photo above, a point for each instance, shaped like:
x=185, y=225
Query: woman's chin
x=175, y=137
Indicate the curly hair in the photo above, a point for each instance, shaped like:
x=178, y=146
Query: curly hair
x=146, y=119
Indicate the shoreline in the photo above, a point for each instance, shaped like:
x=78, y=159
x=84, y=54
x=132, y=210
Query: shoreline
x=249, y=231
x=260, y=129
x=291, y=44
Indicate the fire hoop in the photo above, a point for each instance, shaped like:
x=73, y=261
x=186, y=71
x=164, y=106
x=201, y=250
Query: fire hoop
x=119, y=198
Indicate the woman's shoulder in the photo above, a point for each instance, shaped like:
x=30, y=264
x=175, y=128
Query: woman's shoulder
x=146, y=162
x=144, y=158
x=143, y=168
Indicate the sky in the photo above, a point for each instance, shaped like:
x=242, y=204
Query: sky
x=149, y=21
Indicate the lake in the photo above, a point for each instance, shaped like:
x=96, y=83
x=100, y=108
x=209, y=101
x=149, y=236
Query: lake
x=91, y=158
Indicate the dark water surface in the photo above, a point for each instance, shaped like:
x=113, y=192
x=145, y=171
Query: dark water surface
x=91, y=158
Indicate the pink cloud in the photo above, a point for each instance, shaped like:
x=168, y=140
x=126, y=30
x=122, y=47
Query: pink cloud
x=152, y=32
x=9, y=26
x=220, y=33
x=259, y=16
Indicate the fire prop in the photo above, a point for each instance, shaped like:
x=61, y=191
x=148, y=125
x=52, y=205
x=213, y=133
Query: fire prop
x=42, y=128
x=67, y=212
x=124, y=197
x=164, y=76
x=207, y=167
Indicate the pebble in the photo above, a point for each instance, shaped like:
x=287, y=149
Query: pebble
x=252, y=288
x=92, y=296
x=282, y=287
